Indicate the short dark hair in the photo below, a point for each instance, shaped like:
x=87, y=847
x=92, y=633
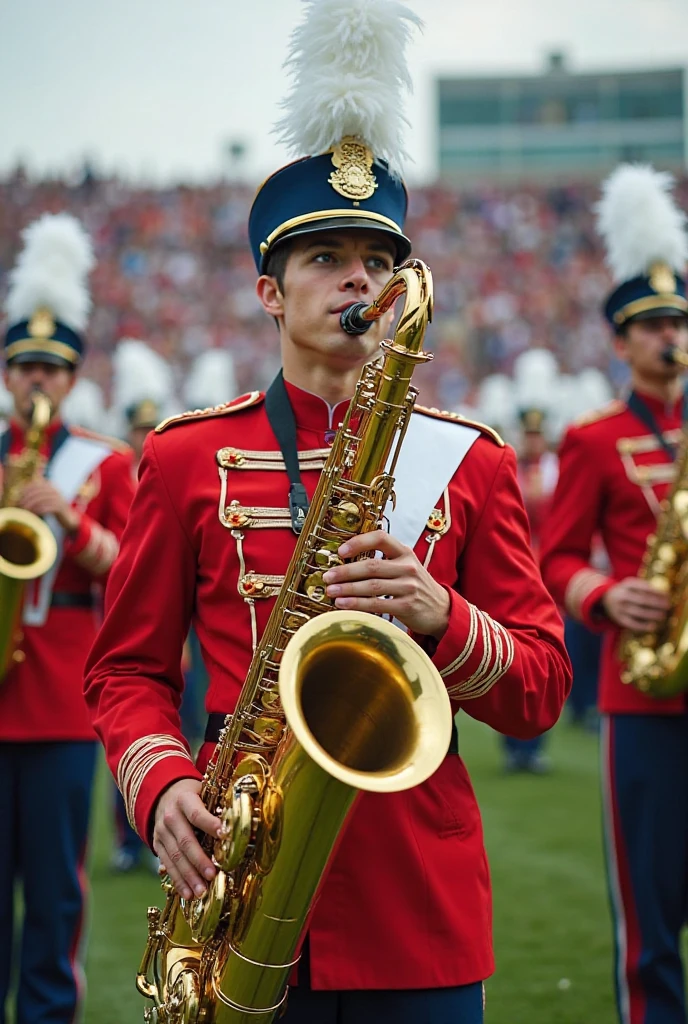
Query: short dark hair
x=276, y=265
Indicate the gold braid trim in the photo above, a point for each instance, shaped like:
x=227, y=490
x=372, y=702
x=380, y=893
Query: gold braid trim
x=581, y=584
x=497, y=659
x=137, y=761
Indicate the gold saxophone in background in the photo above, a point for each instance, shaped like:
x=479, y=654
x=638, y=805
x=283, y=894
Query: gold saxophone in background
x=656, y=662
x=27, y=545
x=334, y=702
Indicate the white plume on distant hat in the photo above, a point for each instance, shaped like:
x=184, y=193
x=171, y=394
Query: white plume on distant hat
x=640, y=222
x=52, y=272
x=350, y=77
x=211, y=380
x=84, y=406
x=140, y=373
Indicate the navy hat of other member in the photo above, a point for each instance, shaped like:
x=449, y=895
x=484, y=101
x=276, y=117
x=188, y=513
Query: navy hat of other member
x=143, y=415
x=42, y=339
x=645, y=239
x=662, y=292
x=346, y=112
x=532, y=420
x=48, y=301
x=343, y=188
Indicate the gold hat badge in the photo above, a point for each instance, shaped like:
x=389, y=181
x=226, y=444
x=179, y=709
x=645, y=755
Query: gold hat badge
x=354, y=178
x=662, y=278
x=42, y=325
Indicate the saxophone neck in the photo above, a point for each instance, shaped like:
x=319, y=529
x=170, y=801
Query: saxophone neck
x=412, y=279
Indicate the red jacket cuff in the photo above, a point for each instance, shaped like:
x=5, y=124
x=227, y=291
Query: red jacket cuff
x=585, y=588
x=76, y=542
x=475, y=651
x=147, y=768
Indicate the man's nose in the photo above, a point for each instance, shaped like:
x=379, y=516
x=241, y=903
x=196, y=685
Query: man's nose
x=356, y=277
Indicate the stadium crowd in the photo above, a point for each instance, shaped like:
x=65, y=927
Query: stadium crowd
x=514, y=267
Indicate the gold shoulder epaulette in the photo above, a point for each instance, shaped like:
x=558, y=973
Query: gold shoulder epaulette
x=115, y=443
x=455, y=417
x=595, y=415
x=242, y=402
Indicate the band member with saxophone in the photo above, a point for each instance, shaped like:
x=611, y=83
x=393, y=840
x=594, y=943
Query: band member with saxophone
x=615, y=472
x=80, y=484
x=401, y=928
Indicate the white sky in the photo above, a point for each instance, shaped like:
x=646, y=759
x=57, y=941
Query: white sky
x=156, y=88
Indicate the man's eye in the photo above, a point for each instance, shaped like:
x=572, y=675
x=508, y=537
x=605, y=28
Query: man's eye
x=377, y=263
x=324, y=257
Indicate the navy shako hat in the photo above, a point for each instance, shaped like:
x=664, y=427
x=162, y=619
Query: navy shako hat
x=344, y=188
x=48, y=301
x=644, y=232
x=43, y=339
x=345, y=111
x=659, y=293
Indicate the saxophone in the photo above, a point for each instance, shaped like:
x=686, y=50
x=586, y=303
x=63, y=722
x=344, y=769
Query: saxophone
x=656, y=662
x=334, y=702
x=27, y=545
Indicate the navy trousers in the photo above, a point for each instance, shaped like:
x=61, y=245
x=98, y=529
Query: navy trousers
x=645, y=778
x=462, y=1005
x=584, y=648
x=45, y=794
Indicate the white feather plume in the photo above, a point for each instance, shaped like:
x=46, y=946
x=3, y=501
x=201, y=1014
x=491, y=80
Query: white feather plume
x=640, y=222
x=349, y=75
x=211, y=380
x=140, y=373
x=52, y=271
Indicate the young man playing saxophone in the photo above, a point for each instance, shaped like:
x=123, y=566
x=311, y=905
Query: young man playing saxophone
x=615, y=471
x=82, y=486
x=401, y=928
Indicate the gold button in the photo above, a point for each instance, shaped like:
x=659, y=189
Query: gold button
x=18, y=657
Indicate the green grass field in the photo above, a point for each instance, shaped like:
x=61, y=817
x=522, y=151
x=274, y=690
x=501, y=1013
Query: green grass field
x=552, y=932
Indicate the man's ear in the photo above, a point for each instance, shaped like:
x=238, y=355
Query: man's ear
x=621, y=347
x=270, y=296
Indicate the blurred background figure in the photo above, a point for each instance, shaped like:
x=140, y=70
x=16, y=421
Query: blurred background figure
x=79, y=485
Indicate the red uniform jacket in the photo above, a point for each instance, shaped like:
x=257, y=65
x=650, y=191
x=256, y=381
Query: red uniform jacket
x=612, y=476
x=406, y=903
x=41, y=698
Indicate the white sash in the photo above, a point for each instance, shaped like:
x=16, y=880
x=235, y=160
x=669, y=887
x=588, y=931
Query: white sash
x=71, y=467
x=432, y=451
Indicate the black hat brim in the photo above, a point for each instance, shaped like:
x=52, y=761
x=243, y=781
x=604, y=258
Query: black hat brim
x=652, y=314
x=40, y=356
x=401, y=243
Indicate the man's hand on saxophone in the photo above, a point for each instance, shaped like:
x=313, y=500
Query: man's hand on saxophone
x=42, y=498
x=396, y=584
x=635, y=604
x=179, y=811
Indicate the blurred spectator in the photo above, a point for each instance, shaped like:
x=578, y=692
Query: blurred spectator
x=514, y=267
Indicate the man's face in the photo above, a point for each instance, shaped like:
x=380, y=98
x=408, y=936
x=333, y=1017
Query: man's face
x=534, y=444
x=644, y=343
x=324, y=274
x=22, y=379
x=137, y=435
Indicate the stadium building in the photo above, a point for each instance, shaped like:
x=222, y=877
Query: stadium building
x=559, y=124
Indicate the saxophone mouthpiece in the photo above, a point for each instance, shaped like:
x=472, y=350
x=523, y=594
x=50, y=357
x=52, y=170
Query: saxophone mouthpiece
x=675, y=356
x=352, y=321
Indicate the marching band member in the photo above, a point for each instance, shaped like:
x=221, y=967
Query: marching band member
x=401, y=930
x=47, y=745
x=615, y=470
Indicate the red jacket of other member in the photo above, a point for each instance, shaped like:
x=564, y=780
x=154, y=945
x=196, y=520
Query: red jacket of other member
x=613, y=474
x=406, y=903
x=41, y=698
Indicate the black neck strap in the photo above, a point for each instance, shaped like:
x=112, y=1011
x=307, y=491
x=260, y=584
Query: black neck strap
x=642, y=410
x=281, y=418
